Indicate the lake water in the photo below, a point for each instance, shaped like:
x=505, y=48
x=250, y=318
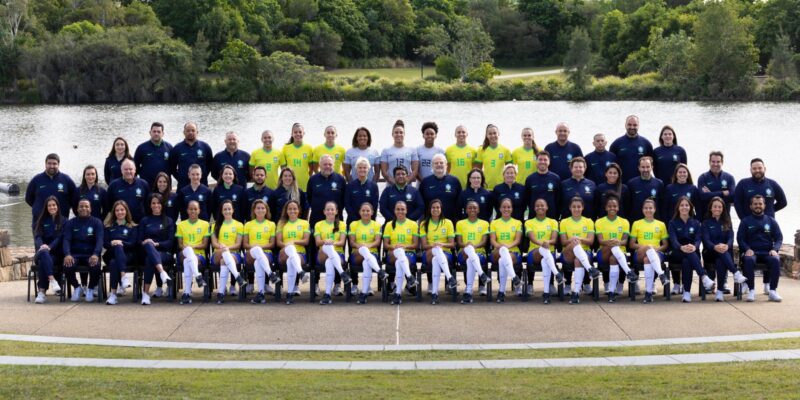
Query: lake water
x=84, y=134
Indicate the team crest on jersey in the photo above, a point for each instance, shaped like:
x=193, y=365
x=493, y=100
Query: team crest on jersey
x=138, y=192
x=96, y=196
x=372, y=231
x=90, y=230
x=608, y=163
x=689, y=195
x=469, y=155
x=500, y=156
x=585, y=229
x=408, y=196
x=691, y=230
x=160, y=226
x=367, y=192
x=483, y=200
x=641, y=150
x=199, y=153
x=274, y=159
x=674, y=157
x=657, y=229
x=516, y=195
x=513, y=229
x=569, y=156
x=60, y=187
x=305, y=155
x=766, y=228
x=200, y=197
x=125, y=231
x=653, y=192
x=166, y=155
x=447, y=187
x=550, y=186
x=199, y=230
x=265, y=199
x=408, y=231
x=240, y=163
x=587, y=189
x=169, y=203
x=234, y=197
x=333, y=185
x=444, y=231
x=724, y=183
x=619, y=229
x=768, y=192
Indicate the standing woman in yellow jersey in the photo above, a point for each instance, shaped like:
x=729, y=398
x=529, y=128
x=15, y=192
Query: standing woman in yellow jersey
x=492, y=157
x=400, y=240
x=299, y=155
x=365, y=242
x=330, y=148
x=577, y=234
x=613, y=232
x=525, y=156
x=472, y=236
x=268, y=157
x=293, y=235
x=330, y=235
x=438, y=241
x=192, y=234
x=505, y=235
x=258, y=242
x=649, y=240
x=460, y=157
x=543, y=236
x=226, y=240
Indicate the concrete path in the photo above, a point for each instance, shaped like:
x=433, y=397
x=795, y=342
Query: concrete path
x=412, y=323
x=676, y=359
x=527, y=74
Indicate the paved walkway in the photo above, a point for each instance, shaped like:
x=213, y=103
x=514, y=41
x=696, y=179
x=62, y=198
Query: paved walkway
x=676, y=359
x=409, y=324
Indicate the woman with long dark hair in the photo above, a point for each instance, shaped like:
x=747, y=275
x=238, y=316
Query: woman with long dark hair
x=47, y=242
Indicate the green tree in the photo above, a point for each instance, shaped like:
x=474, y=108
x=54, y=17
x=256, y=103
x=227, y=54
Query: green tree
x=446, y=67
x=553, y=16
x=82, y=28
x=610, y=47
x=391, y=23
x=349, y=22
x=324, y=43
x=673, y=57
x=470, y=45
x=782, y=66
x=514, y=37
x=577, y=59
x=483, y=73
x=434, y=41
x=281, y=71
x=724, y=55
x=238, y=64
x=221, y=25
x=183, y=16
x=773, y=18
x=13, y=14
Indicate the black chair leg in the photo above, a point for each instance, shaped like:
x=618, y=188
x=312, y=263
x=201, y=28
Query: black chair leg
x=596, y=289
x=489, y=284
x=737, y=290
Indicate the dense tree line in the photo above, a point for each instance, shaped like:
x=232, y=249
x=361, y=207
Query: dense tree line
x=180, y=50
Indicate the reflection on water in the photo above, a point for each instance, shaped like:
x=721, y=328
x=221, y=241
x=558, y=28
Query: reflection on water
x=83, y=134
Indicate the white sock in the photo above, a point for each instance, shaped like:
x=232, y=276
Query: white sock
x=473, y=259
x=548, y=260
x=613, y=278
x=190, y=257
x=230, y=263
x=261, y=265
x=369, y=258
x=506, y=268
x=438, y=255
x=294, y=266
x=334, y=257
x=621, y=259
x=400, y=255
x=329, y=275
x=400, y=265
x=366, y=276
x=580, y=254
x=577, y=280
x=655, y=261
x=649, y=275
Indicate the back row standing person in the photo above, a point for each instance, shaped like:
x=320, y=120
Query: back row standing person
x=153, y=156
x=758, y=184
x=362, y=147
x=51, y=182
x=399, y=155
x=269, y=158
x=188, y=152
x=329, y=147
x=461, y=157
x=562, y=151
x=630, y=147
x=428, y=150
x=299, y=155
x=598, y=160
x=492, y=157
x=119, y=153
x=667, y=156
x=525, y=156
x=233, y=156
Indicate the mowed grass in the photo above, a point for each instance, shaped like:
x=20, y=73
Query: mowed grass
x=410, y=74
x=764, y=380
x=11, y=348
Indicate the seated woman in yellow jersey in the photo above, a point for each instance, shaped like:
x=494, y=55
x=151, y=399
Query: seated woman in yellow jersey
x=365, y=240
x=192, y=234
x=298, y=155
x=577, y=234
x=330, y=235
x=649, y=240
x=685, y=235
x=472, y=236
x=226, y=240
x=543, y=236
x=293, y=236
x=258, y=242
x=612, y=234
x=438, y=241
x=505, y=234
x=400, y=240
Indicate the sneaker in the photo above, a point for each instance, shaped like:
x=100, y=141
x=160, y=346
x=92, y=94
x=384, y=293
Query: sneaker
x=397, y=299
x=346, y=279
x=738, y=277
x=242, y=282
x=145, y=299
x=648, y=298
x=452, y=284
x=559, y=279
x=297, y=291
x=289, y=298
x=410, y=290
x=274, y=278
x=664, y=280
x=90, y=295
x=371, y=293
x=751, y=296
x=411, y=281
x=620, y=288
x=362, y=298
x=575, y=298
x=435, y=299
x=680, y=289
x=606, y=289
x=125, y=281
x=546, y=298
x=530, y=290
x=708, y=284
x=232, y=291
x=112, y=299
x=720, y=296
x=483, y=279
x=337, y=290
x=518, y=291
x=594, y=273
x=200, y=281
x=774, y=296
x=326, y=299
x=120, y=290
x=766, y=288
x=159, y=292
x=501, y=297
x=632, y=276
x=316, y=292
x=725, y=288
x=40, y=298
x=466, y=298
x=259, y=298
x=381, y=274
x=482, y=290
x=515, y=282
x=55, y=288
x=304, y=277
x=687, y=297
x=220, y=298
x=165, y=277
x=268, y=289
x=250, y=288
x=587, y=288
x=612, y=297
x=353, y=290
x=745, y=288
x=76, y=294
x=676, y=289
x=186, y=298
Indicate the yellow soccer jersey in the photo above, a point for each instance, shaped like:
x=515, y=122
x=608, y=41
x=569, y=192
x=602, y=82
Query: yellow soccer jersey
x=505, y=231
x=193, y=233
x=324, y=231
x=298, y=159
x=649, y=233
x=293, y=231
x=493, y=159
x=438, y=232
x=402, y=233
x=615, y=229
x=271, y=161
x=525, y=160
x=460, y=161
x=337, y=152
x=543, y=229
x=228, y=232
x=580, y=228
x=259, y=234
x=473, y=232
x=365, y=233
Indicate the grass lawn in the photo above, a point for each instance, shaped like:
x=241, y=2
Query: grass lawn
x=10, y=348
x=410, y=74
x=766, y=380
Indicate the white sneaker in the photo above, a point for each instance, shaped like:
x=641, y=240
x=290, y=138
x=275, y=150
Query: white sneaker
x=112, y=299
x=371, y=292
x=605, y=287
x=316, y=292
x=353, y=290
x=76, y=294
x=587, y=288
x=125, y=282
x=482, y=290
x=518, y=292
x=145, y=299
x=40, y=298
x=54, y=286
x=530, y=290
x=680, y=288
x=745, y=288
x=297, y=291
x=766, y=288
x=720, y=295
x=738, y=277
x=121, y=290
x=268, y=289
x=751, y=296
x=687, y=297
x=164, y=277
x=708, y=283
x=90, y=295
x=159, y=292
x=677, y=289
x=774, y=296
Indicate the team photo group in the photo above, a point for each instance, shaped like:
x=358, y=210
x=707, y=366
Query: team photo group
x=290, y=213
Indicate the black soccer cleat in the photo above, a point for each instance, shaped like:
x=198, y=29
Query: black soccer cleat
x=483, y=279
x=466, y=298
x=326, y=299
x=501, y=297
x=346, y=279
x=274, y=278
x=259, y=298
x=452, y=284
x=546, y=297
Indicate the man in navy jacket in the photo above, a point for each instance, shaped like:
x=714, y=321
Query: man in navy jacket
x=758, y=184
x=51, y=182
x=760, y=239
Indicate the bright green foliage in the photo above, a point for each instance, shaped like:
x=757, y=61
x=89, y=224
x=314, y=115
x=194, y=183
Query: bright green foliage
x=577, y=59
x=446, y=67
